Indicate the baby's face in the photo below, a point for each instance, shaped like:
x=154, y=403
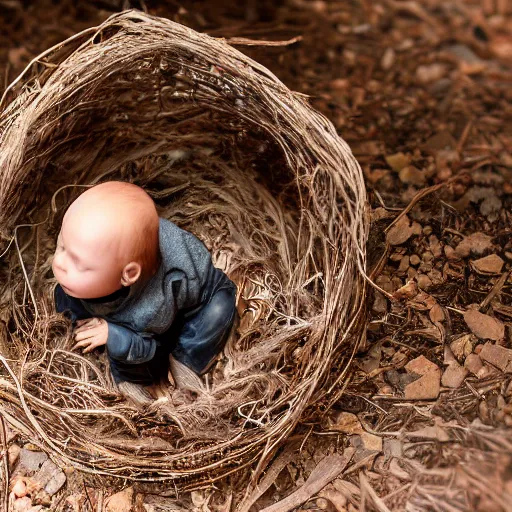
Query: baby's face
x=85, y=263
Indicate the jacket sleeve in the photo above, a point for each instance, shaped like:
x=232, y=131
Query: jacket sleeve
x=71, y=307
x=127, y=346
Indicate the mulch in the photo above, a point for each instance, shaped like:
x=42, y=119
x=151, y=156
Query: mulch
x=421, y=92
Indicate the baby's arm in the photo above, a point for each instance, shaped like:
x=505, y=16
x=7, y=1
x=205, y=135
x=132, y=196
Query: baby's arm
x=127, y=346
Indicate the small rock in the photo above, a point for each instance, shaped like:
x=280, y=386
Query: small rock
x=491, y=206
x=380, y=304
x=476, y=243
x=384, y=282
x=322, y=504
x=450, y=253
x=121, y=501
x=424, y=282
x=347, y=423
x=30, y=462
x=427, y=256
x=22, y=504
x=474, y=364
x=491, y=264
x=430, y=73
x=19, y=488
x=393, y=447
x=428, y=385
x=498, y=356
x=416, y=228
x=441, y=141
x=398, y=161
x=371, y=441
x=414, y=260
x=412, y=176
x=484, y=326
x=454, y=375
x=404, y=264
x=388, y=59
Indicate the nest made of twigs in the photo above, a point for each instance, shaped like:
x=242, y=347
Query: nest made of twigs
x=227, y=152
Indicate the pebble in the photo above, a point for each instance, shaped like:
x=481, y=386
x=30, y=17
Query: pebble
x=404, y=264
x=397, y=161
x=430, y=73
x=424, y=282
x=388, y=59
x=412, y=176
x=484, y=326
x=454, y=375
x=322, y=504
x=121, y=501
x=414, y=260
x=22, y=504
x=19, y=489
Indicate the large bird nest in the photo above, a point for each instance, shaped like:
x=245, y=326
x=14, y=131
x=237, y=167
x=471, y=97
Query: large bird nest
x=227, y=152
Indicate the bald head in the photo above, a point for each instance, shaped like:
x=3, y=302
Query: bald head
x=113, y=225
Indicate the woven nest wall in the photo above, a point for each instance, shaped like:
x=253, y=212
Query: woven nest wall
x=227, y=152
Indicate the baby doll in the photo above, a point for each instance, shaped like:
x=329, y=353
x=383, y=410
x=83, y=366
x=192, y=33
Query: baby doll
x=139, y=285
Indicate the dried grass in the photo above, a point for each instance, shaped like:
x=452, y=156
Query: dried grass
x=226, y=151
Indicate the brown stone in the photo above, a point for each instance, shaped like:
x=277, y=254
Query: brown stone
x=121, y=501
x=476, y=243
x=398, y=161
x=412, y=176
x=424, y=282
x=454, y=375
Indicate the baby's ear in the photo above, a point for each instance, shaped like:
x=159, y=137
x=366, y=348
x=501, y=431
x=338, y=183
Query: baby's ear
x=131, y=273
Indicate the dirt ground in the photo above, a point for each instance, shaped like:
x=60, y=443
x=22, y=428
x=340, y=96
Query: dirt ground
x=421, y=91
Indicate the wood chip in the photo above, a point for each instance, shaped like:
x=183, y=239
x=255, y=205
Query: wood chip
x=476, y=243
x=491, y=264
x=454, y=375
x=427, y=387
x=474, y=364
x=484, y=326
x=498, y=356
x=326, y=471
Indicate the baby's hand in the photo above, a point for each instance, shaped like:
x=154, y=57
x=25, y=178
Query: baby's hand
x=91, y=333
